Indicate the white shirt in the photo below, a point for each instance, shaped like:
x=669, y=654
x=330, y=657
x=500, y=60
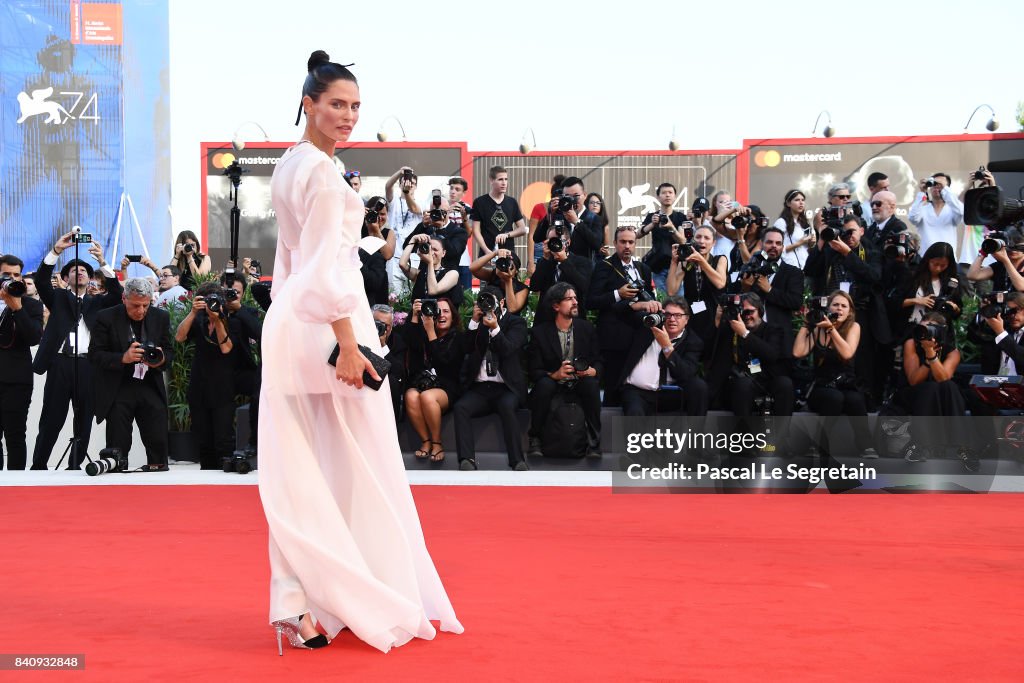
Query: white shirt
x=172, y=294
x=1006, y=365
x=83, y=331
x=797, y=257
x=939, y=227
x=482, y=376
x=402, y=220
x=631, y=271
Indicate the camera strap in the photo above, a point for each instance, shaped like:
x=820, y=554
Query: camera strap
x=140, y=368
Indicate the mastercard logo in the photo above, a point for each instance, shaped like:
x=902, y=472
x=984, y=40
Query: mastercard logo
x=767, y=158
x=222, y=159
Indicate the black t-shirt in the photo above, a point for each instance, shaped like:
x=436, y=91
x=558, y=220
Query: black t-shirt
x=659, y=258
x=455, y=238
x=495, y=218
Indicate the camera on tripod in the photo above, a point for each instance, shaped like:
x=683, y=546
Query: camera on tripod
x=15, y=288
x=242, y=462
x=819, y=312
x=110, y=460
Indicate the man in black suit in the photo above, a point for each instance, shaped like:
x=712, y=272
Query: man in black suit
x=561, y=265
x=884, y=223
x=563, y=356
x=781, y=292
x=578, y=221
x=493, y=377
x=622, y=292
x=129, y=380
x=21, y=327
x=65, y=345
x=748, y=361
x=660, y=373
x=854, y=264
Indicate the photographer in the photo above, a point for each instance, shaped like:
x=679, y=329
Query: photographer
x=21, y=328
x=189, y=260
x=500, y=268
x=932, y=286
x=930, y=359
x=393, y=347
x=559, y=264
x=838, y=208
x=663, y=226
x=459, y=215
x=65, y=345
x=437, y=222
x=492, y=377
x=700, y=278
x=936, y=212
x=245, y=326
x=974, y=235
x=779, y=285
x=831, y=335
x=434, y=362
x=566, y=209
x=431, y=279
x=660, y=370
x=749, y=224
x=848, y=263
x=564, y=359
x=748, y=362
x=403, y=215
x=374, y=266
x=622, y=292
x=130, y=347
x=719, y=217
x=1004, y=355
x=496, y=217
x=884, y=223
x=211, y=389
x=1007, y=271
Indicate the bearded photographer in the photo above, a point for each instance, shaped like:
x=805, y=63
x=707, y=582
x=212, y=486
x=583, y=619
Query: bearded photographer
x=500, y=268
x=564, y=358
x=660, y=372
x=849, y=263
x=434, y=360
x=431, y=279
x=438, y=222
x=622, y=292
x=749, y=361
x=779, y=285
x=567, y=209
x=375, y=266
x=65, y=345
x=558, y=264
x=130, y=346
x=492, y=377
x=211, y=389
x=21, y=328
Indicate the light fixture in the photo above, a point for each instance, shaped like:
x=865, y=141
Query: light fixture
x=382, y=135
x=673, y=142
x=829, y=131
x=238, y=143
x=993, y=123
x=527, y=145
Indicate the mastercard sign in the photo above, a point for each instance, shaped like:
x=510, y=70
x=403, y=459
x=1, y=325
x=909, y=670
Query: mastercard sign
x=222, y=159
x=767, y=158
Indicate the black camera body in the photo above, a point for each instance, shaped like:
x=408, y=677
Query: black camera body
x=995, y=241
x=993, y=304
x=944, y=301
x=818, y=311
x=255, y=267
x=701, y=206
x=642, y=293
x=898, y=244
x=503, y=263
x=109, y=460
x=230, y=294
x=423, y=247
x=407, y=175
x=566, y=203
x=979, y=174
x=731, y=305
x=436, y=215
x=930, y=183
x=487, y=303
x=990, y=206
x=373, y=210
x=428, y=308
x=215, y=302
x=835, y=215
x=381, y=328
x=832, y=233
x=580, y=364
x=151, y=353
x=241, y=462
x=15, y=288
x=760, y=264
x=654, y=319
x=931, y=330
x=188, y=247
x=684, y=250
x=555, y=244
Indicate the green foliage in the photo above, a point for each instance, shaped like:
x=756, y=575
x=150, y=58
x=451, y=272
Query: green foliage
x=1020, y=116
x=181, y=369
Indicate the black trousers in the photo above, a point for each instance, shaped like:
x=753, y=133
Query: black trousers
x=744, y=390
x=249, y=384
x=14, y=402
x=139, y=401
x=936, y=400
x=586, y=390
x=690, y=399
x=832, y=403
x=211, y=405
x=484, y=398
x=57, y=393
x=614, y=360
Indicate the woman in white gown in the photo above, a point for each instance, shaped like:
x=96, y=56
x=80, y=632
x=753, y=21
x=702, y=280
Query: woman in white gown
x=346, y=547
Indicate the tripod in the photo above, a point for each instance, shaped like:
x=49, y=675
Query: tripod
x=75, y=443
x=234, y=173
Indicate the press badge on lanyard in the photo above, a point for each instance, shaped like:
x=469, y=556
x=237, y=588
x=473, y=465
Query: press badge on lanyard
x=754, y=365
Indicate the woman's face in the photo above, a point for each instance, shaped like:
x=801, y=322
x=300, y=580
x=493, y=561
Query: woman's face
x=841, y=306
x=335, y=114
x=704, y=239
x=444, y=316
x=797, y=204
x=436, y=252
x=937, y=265
x=723, y=201
x=594, y=203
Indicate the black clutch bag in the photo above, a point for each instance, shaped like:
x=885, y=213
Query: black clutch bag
x=381, y=365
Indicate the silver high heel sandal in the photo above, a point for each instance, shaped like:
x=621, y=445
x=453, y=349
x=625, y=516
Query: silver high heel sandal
x=290, y=628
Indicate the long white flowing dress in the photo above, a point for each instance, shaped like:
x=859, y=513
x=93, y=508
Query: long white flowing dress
x=345, y=538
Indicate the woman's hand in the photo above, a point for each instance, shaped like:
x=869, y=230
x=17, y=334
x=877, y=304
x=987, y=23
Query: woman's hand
x=350, y=368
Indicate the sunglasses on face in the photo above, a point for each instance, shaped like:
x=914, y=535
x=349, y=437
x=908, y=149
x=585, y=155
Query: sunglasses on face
x=876, y=205
x=841, y=196
x=352, y=174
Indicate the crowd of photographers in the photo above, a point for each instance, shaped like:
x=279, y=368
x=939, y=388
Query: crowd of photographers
x=843, y=310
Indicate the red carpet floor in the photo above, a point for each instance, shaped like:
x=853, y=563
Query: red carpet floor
x=170, y=583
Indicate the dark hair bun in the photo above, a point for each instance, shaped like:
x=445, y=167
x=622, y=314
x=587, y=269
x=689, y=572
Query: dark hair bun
x=316, y=59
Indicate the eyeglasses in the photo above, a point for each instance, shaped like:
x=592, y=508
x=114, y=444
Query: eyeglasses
x=669, y=316
x=875, y=205
x=840, y=196
x=352, y=174
x=595, y=201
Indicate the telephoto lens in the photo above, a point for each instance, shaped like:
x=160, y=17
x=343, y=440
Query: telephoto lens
x=654, y=319
x=13, y=287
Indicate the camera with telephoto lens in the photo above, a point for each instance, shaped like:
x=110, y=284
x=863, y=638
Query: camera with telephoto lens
x=15, y=288
x=930, y=330
x=993, y=304
x=215, y=302
x=556, y=243
x=242, y=462
x=110, y=460
x=831, y=233
x=897, y=244
x=373, y=210
x=759, y=264
x=487, y=302
x=989, y=206
x=993, y=242
x=382, y=329
x=503, y=263
x=731, y=305
x=944, y=301
x=819, y=312
x=151, y=353
x=701, y=206
x=654, y=319
x=428, y=308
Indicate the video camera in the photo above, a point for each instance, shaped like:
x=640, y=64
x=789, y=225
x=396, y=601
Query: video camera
x=989, y=206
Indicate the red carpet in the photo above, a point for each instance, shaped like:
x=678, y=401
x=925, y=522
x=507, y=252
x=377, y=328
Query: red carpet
x=170, y=583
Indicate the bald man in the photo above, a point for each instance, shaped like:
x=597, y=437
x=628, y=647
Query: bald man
x=883, y=219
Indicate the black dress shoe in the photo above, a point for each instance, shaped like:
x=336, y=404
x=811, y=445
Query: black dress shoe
x=467, y=464
x=521, y=466
x=534, y=450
